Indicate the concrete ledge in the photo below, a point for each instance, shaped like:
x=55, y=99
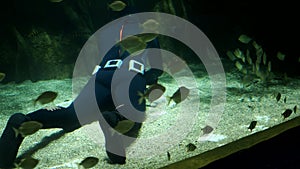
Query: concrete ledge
x=205, y=158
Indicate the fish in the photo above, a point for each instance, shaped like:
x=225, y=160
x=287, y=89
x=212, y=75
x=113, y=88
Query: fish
x=252, y=125
x=259, y=54
x=28, y=163
x=147, y=37
x=278, y=97
x=239, y=54
x=255, y=45
x=238, y=65
x=89, y=162
x=287, y=113
x=190, y=147
x=264, y=58
x=248, y=57
x=244, y=39
x=56, y=1
x=295, y=109
x=169, y=156
x=231, y=55
x=280, y=56
x=28, y=128
x=124, y=126
x=46, y=97
x=207, y=129
x=173, y=66
x=248, y=80
x=2, y=76
x=117, y=6
x=132, y=44
x=150, y=25
x=152, y=93
x=180, y=95
x=284, y=100
x=269, y=66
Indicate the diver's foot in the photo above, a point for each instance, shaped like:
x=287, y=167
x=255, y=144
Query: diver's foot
x=109, y=161
x=115, y=159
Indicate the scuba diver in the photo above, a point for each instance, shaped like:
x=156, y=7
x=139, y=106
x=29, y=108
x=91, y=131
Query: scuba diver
x=117, y=99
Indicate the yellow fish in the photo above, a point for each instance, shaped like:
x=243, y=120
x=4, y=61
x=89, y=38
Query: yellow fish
x=244, y=39
x=2, y=76
x=28, y=128
x=89, y=162
x=280, y=56
x=180, y=95
x=46, y=97
x=154, y=92
x=124, y=126
x=117, y=6
x=56, y=1
x=27, y=163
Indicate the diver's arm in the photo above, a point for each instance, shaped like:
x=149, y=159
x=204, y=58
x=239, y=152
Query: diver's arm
x=155, y=62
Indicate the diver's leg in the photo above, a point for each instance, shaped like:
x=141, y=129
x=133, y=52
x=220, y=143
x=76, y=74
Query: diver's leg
x=64, y=118
x=115, y=142
x=9, y=143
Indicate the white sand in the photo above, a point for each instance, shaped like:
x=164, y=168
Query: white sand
x=167, y=128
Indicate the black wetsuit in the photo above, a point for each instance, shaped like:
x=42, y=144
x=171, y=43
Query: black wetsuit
x=67, y=119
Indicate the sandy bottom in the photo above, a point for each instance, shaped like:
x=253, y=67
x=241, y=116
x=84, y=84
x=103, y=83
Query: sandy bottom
x=168, y=128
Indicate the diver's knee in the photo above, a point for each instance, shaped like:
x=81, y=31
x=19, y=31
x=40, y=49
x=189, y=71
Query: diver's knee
x=17, y=119
x=71, y=128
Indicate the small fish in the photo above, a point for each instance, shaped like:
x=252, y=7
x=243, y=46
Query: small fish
x=284, y=100
x=252, y=125
x=255, y=45
x=295, y=109
x=280, y=56
x=55, y=1
x=124, y=126
x=28, y=163
x=287, y=113
x=248, y=57
x=190, y=147
x=278, y=97
x=248, y=80
x=239, y=54
x=257, y=67
x=244, y=39
x=2, y=76
x=132, y=44
x=269, y=66
x=231, y=55
x=169, y=156
x=147, y=37
x=117, y=6
x=264, y=58
x=259, y=54
x=89, y=162
x=173, y=66
x=154, y=92
x=28, y=128
x=207, y=129
x=150, y=25
x=46, y=97
x=238, y=65
x=180, y=94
